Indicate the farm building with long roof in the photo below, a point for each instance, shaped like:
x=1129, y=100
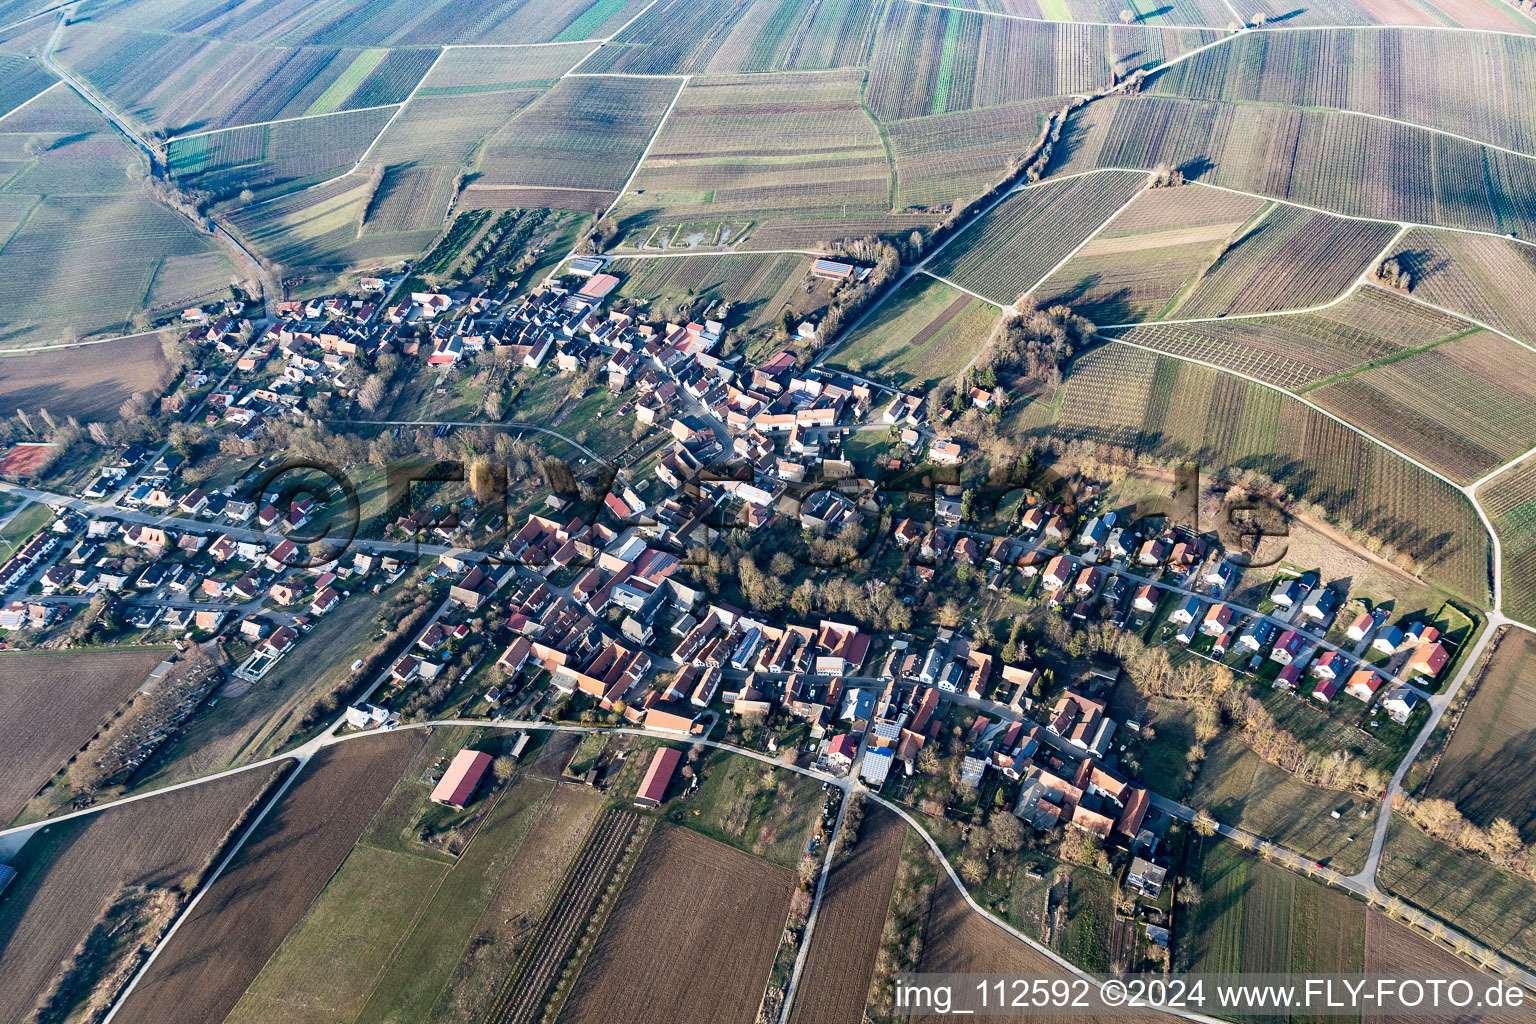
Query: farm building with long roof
x=463, y=775
x=657, y=777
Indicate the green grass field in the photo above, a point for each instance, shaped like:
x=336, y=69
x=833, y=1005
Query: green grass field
x=1242, y=789
x=328, y=964
x=750, y=806
x=1258, y=919
x=925, y=332
x=1492, y=905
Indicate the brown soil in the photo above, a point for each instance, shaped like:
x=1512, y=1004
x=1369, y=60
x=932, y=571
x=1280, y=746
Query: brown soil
x=1399, y=951
x=155, y=843
x=232, y=933
x=939, y=322
x=716, y=912
x=51, y=705
x=835, y=982
x=88, y=382
x=960, y=941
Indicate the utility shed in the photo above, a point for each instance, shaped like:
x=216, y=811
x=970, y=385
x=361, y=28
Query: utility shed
x=463, y=775
x=658, y=776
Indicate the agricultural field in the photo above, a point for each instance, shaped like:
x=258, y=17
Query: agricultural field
x=470, y=96
x=1257, y=919
x=1241, y=789
x=20, y=80
x=835, y=980
x=674, y=37
x=178, y=85
x=926, y=331
x=69, y=875
x=1175, y=409
x=1143, y=263
x=459, y=921
x=1285, y=258
x=196, y=279
x=1510, y=501
x=946, y=159
x=89, y=382
x=1179, y=12
x=1490, y=15
x=799, y=35
x=585, y=133
x=1342, y=163
x=359, y=23
x=409, y=198
x=793, y=153
x=1455, y=407
x=1017, y=245
x=1393, y=948
x=1378, y=73
x=271, y=159
x=959, y=940
x=82, y=265
x=84, y=243
x=247, y=912
x=537, y=980
x=53, y=704
x=320, y=227
x=1295, y=352
x=1488, y=279
x=1494, y=906
x=934, y=60
x=1494, y=737
x=717, y=911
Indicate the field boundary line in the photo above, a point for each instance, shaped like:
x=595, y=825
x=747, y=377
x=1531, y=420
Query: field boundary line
x=848, y=785
x=622, y=254
x=1495, y=550
x=975, y=295
x=1451, y=312
x=281, y=120
x=1051, y=21
x=33, y=17
x=186, y=912
x=408, y=931
x=650, y=144
x=585, y=57
x=1511, y=464
x=642, y=13
x=83, y=812
x=398, y=110
x=1289, y=394
x=792, y=987
x=618, y=74
x=1235, y=316
x=997, y=922
x=1300, y=206
x=1092, y=235
x=17, y=108
x=515, y=46
x=1239, y=18
x=1363, y=279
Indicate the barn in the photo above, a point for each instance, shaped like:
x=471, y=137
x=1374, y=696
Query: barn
x=657, y=777
x=463, y=775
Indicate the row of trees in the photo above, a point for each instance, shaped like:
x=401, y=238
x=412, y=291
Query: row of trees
x=1500, y=842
